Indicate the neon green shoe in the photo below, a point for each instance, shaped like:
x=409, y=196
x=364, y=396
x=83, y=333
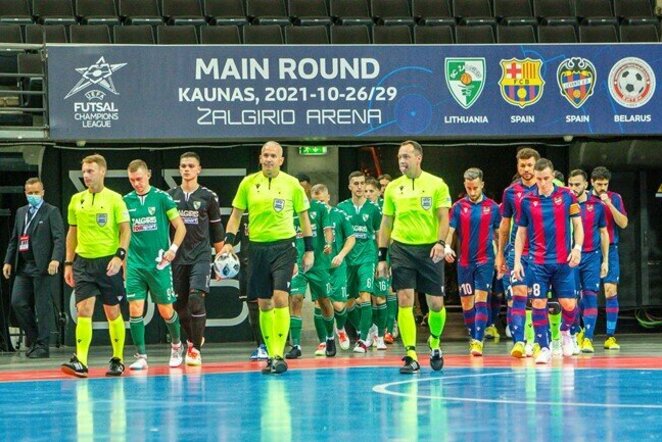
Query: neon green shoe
x=491, y=332
x=518, y=350
x=476, y=348
x=611, y=344
x=587, y=346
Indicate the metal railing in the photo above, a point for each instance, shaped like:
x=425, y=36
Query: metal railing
x=23, y=92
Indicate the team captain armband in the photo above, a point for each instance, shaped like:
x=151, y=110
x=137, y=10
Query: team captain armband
x=574, y=209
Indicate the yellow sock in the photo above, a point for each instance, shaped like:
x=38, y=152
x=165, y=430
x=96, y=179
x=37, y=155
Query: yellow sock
x=83, y=338
x=281, y=328
x=267, y=328
x=407, y=325
x=117, y=333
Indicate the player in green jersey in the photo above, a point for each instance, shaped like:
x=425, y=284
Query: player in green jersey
x=416, y=221
x=271, y=198
x=365, y=218
x=318, y=279
x=97, y=240
x=338, y=249
x=152, y=211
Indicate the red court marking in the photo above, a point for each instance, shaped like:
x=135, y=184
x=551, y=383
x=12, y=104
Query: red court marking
x=451, y=361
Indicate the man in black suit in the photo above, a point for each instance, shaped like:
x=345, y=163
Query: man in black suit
x=34, y=254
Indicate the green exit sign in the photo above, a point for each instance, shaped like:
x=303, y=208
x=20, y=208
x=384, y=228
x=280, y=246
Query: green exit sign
x=312, y=150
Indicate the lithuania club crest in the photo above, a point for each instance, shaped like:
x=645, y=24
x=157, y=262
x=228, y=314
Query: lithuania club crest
x=576, y=78
x=465, y=79
x=521, y=82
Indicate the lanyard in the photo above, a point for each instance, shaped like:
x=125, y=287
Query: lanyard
x=28, y=222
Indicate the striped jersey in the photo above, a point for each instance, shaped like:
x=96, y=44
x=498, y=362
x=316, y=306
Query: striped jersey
x=612, y=228
x=511, y=204
x=474, y=224
x=593, y=219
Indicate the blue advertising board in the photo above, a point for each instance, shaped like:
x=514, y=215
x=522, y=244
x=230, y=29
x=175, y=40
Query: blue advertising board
x=347, y=92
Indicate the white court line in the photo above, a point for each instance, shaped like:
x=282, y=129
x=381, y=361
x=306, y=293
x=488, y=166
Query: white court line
x=383, y=389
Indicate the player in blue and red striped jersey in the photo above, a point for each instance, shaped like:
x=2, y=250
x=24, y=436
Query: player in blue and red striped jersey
x=516, y=289
x=595, y=254
x=617, y=219
x=475, y=218
x=546, y=216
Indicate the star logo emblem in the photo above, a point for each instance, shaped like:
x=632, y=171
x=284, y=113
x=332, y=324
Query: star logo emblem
x=98, y=74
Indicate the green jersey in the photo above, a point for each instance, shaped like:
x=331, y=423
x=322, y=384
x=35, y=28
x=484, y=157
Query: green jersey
x=342, y=229
x=271, y=204
x=150, y=226
x=97, y=218
x=365, y=223
x=413, y=204
x=319, y=221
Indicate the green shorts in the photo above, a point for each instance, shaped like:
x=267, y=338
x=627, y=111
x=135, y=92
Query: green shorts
x=158, y=282
x=382, y=287
x=338, y=284
x=318, y=280
x=360, y=278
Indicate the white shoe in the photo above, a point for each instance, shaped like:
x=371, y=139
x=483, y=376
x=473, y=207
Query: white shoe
x=528, y=349
x=557, y=348
x=567, y=344
x=380, y=343
x=372, y=336
x=361, y=347
x=140, y=363
x=544, y=356
x=395, y=332
x=343, y=339
x=321, y=349
x=176, y=355
x=575, y=346
x=508, y=333
x=193, y=357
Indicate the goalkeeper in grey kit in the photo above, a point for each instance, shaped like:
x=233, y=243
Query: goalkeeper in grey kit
x=199, y=208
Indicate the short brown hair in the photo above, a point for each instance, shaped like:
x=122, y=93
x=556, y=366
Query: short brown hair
x=95, y=158
x=384, y=176
x=601, y=173
x=542, y=164
x=33, y=180
x=372, y=181
x=355, y=174
x=319, y=188
x=190, y=155
x=526, y=152
x=137, y=164
x=417, y=147
x=579, y=172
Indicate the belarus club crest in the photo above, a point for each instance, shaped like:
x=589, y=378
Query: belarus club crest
x=576, y=78
x=521, y=83
x=426, y=202
x=465, y=78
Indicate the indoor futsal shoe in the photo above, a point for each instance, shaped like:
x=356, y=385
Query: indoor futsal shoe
x=611, y=344
x=140, y=363
x=74, y=368
x=115, y=367
x=587, y=346
x=176, y=355
x=411, y=366
x=436, y=359
x=518, y=350
x=294, y=353
x=278, y=365
x=330, y=350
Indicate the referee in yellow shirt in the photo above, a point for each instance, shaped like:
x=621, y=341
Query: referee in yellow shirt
x=414, y=224
x=97, y=240
x=271, y=198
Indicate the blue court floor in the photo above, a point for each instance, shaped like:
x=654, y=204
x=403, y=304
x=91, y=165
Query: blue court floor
x=364, y=401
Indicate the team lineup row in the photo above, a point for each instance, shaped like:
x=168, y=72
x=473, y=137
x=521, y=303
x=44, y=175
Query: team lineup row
x=563, y=241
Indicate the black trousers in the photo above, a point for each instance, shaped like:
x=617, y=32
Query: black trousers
x=32, y=302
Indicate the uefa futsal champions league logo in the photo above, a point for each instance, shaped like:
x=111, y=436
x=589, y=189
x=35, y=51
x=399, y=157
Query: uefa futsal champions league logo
x=96, y=111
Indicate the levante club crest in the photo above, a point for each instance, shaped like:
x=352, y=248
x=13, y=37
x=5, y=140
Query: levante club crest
x=465, y=78
x=576, y=77
x=521, y=83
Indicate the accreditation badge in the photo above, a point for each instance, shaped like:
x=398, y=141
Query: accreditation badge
x=24, y=243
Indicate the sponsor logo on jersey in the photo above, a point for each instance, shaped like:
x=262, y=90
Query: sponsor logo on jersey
x=576, y=77
x=279, y=204
x=426, y=202
x=102, y=219
x=144, y=224
x=631, y=82
x=521, y=83
x=465, y=79
x=190, y=216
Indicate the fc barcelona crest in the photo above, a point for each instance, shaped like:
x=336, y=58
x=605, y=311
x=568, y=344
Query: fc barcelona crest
x=102, y=219
x=426, y=202
x=279, y=204
x=521, y=82
x=576, y=78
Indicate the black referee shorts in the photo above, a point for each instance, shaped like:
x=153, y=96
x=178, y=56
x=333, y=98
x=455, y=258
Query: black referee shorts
x=270, y=267
x=91, y=280
x=412, y=268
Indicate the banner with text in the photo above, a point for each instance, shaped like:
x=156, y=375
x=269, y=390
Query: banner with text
x=339, y=92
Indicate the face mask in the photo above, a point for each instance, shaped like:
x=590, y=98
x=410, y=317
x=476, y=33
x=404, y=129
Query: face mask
x=34, y=200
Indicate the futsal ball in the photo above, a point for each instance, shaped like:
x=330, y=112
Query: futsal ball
x=631, y=82
x=227, y=265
